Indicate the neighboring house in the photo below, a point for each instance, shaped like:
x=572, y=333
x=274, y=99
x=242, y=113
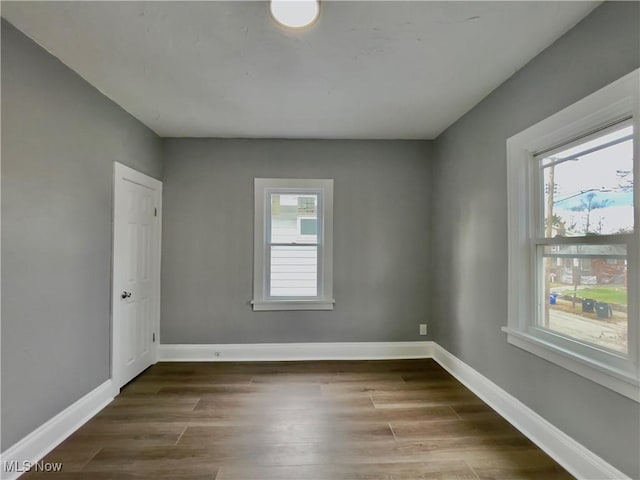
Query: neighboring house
x=597, y=264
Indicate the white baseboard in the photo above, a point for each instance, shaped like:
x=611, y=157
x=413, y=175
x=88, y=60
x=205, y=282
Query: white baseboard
x=573, y=456
x=45, y=438
x=294, y=351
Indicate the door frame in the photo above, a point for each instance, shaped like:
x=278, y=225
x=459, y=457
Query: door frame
x=120, y=172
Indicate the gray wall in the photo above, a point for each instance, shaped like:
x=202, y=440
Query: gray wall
x=60, y=137
x=381, y=240
x=470, y=232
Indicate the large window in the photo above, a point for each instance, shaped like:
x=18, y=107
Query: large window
x=574, y=246
x=293, y=244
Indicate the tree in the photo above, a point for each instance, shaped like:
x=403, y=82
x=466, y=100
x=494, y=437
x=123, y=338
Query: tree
x=588, y=204
x=558, y=224
x=625, y=180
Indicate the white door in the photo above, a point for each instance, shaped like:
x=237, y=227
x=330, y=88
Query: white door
x=136, y=273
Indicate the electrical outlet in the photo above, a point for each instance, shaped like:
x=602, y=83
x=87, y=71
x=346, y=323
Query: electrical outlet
x=423, y=329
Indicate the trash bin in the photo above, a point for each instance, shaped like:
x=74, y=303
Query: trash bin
x=588, y=305
x=603, y=310
x=553, y=299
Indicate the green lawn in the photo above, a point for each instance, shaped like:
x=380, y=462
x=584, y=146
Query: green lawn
x=616, y=294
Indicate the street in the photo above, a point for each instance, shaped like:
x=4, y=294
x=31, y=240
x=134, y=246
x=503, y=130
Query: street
x=607, y=333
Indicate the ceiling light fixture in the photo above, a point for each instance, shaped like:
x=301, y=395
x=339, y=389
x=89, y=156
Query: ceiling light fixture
x=295, y=14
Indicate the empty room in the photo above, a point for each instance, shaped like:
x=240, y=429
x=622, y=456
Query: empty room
x=320, y=240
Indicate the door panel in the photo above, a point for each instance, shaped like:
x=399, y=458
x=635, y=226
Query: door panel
x=130, y=355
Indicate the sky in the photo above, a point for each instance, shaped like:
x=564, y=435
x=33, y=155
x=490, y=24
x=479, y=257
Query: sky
x=601, y=172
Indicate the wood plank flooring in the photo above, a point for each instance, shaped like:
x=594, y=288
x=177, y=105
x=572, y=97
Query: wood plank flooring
x=338, y=420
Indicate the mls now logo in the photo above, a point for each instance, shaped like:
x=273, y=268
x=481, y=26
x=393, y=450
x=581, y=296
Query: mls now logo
x=14, y=466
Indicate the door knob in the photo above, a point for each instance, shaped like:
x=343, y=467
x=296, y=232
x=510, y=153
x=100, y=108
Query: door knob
x=126, y=294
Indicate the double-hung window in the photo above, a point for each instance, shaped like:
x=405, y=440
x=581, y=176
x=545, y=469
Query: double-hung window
x=293, y=244
x=574, y=240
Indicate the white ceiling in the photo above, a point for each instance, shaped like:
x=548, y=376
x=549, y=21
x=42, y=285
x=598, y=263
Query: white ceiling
x=365, y=70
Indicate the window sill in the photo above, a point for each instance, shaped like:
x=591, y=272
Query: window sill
x=273, y=305
x=621, y=382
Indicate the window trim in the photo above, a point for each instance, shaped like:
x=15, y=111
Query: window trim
x=263, y=187
x=610, y=104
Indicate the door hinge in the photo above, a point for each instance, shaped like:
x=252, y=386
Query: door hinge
x=153, y=337
x=155, y=212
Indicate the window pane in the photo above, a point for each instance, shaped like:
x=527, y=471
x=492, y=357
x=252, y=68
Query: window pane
x=591, y=194
x=585, y=293
x=294, y=271
x=294, y=218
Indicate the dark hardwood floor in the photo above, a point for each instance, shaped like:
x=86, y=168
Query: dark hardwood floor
x=338, y=420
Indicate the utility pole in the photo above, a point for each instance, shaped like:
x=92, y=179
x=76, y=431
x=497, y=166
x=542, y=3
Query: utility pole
x=548, y=233
x=552, y=187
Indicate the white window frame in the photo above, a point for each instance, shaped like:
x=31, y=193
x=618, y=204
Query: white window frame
x=620, y=373
x=263, y=188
